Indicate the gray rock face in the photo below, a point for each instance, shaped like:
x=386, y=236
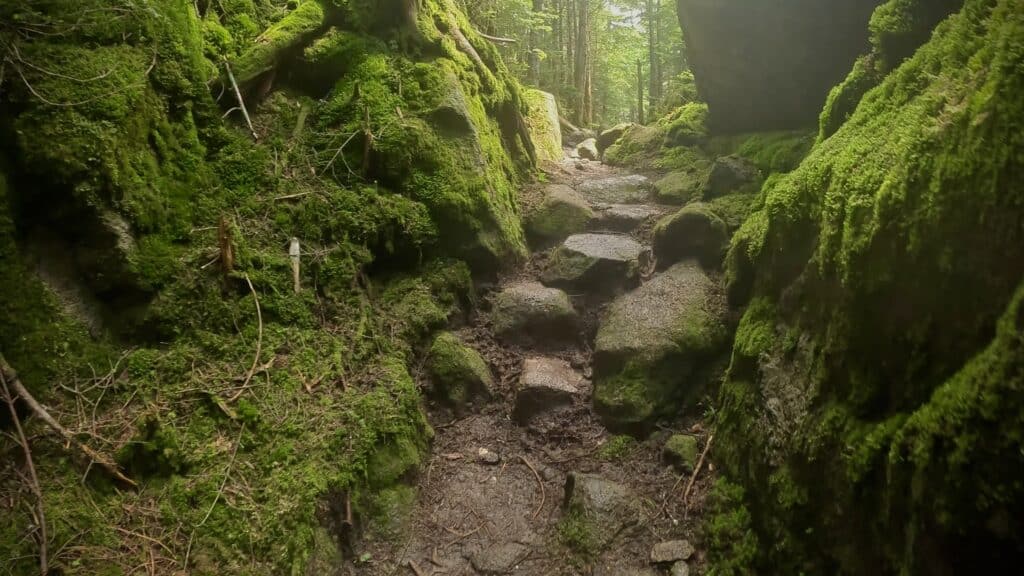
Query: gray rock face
x=499, y=558
x=680, y=569
x=531, y=312
x=651, y=343
x=612, y=135
x=606, y=507
x=631, y=189
x=595, y=262
x=693, y=232
x=562, y=212
x=672, y=551
x=728, y=174
x=588, y=149
x=622, y=217
x=546, y=385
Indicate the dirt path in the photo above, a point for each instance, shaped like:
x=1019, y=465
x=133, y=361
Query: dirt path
x=490, y=497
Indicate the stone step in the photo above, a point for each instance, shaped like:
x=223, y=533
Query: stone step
x=546, y=386
x=622, y=217
x=628, y=189
x=596, y=263
x=530, y=313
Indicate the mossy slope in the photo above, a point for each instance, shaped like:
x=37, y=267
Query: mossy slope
x=873, y=413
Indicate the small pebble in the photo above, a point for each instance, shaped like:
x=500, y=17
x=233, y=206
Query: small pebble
x=485, y=456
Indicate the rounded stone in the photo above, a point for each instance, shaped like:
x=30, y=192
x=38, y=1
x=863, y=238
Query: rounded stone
x=530, y=312
x=595, y=262
x=546, y=385
x=693, y=232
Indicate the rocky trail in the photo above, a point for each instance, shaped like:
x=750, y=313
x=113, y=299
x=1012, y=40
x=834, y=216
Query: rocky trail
x=524, y=477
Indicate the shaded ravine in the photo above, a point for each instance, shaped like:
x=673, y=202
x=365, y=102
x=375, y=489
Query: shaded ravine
x=491, y=495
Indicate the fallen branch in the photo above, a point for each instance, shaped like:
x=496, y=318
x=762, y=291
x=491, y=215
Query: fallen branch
x=539, y=483
x=11, y=379
x=696, y=470
x=33, y=477
x=496, y=39
x=241, y=102
x=416, y=569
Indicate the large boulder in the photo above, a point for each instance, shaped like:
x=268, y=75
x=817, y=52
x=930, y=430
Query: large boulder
x=542, y=121
x=693, y=232
x=459, y=374
x=572, y=135
x=629, y=189
x=588, y=149
x=546, y=385
x=681, y=186
x=655, y=345
x=530, y=312
x=612, y=135
x=598, y=263
x=769, y=65
x=562, y=212
x=729, y=174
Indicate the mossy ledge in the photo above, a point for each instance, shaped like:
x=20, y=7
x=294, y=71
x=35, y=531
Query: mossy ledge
x=873, y=427
x=119, y=186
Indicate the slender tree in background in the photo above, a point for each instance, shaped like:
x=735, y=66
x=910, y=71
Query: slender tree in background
x=640, y=91
x=584, y=98
x=535, y=49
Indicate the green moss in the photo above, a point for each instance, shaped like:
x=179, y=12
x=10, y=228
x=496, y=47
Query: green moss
x=616, y=448
x=897, y=404
x=686, y=126
x=680, y=187
x=682, y=451
x=459, y=373
x=732, y=543
x=296, y=29
x=542, y=120
x=574, y=533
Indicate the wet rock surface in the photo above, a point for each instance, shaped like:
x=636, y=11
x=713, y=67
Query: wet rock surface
x=629, y=189
x=597, y=262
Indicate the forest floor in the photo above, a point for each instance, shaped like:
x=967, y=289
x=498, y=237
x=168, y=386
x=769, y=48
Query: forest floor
x=477, y=513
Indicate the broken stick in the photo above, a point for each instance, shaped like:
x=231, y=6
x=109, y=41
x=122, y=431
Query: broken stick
x=11, y=379
x=241, y=102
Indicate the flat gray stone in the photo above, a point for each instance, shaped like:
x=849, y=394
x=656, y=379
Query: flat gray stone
x=546, y=385
x=499, y=558
x=671, y=551
x=622, y=217
x=606, y=507
x=530, y=312
x=595, y=262
x=630, y=189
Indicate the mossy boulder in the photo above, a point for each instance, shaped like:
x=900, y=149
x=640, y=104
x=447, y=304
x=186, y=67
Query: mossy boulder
x=729, y=174
x=529, y=312
x=695, y=231
x=595, y=263
x=679, y=187
x=687, y=125
x=459, y=373
x=612, y=135
x=654, y=346
x=681, y=451
x=562, y=213
x=542, y=120
x=858, y=389
x=596, y=510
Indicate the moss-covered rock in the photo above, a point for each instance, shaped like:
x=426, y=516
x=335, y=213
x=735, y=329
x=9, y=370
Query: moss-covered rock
x=595, y=263
x=681, y=451
x=542, y=119
x=681, y=186
x=460, y=375
x=655, y=346
x=612, y=135
x=730, y=174
x=596, y=510
x=562, y=213
x=693, y=232
x=863, y=394
x=532, y=313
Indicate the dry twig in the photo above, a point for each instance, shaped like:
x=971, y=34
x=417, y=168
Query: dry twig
x=696, y=469
x=33, y=477
x=11, y=379
x=539, y=483
x=259, y=341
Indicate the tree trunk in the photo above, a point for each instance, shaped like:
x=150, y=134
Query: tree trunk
x=639, y=91
x=582, y=79
x=534, y=59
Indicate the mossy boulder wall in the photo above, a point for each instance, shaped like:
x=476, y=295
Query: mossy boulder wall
x=875, y=426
